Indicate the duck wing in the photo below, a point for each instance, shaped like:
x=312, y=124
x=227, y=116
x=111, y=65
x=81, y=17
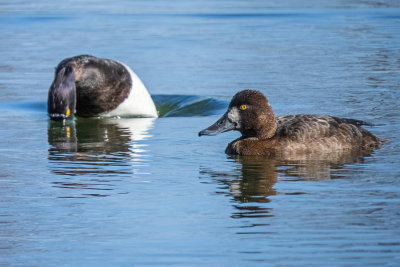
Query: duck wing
x=304, y=127
x=352, y=121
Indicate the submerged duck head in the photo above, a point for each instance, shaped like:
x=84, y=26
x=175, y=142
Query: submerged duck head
x=250, y=113
x=61, y=100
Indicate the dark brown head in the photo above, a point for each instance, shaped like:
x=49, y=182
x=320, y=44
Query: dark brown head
x=250, y=113
x=61, y=100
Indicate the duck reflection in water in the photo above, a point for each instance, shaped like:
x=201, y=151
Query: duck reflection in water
x=96, y=147
x=251, y=185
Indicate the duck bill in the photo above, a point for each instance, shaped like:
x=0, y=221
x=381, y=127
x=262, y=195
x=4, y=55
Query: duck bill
x=62, y=95
x=222, y=125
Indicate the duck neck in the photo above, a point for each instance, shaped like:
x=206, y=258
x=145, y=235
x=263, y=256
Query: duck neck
x=268, y=126
x=268, y=131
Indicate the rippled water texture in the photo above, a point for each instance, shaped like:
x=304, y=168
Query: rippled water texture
x=135, y=191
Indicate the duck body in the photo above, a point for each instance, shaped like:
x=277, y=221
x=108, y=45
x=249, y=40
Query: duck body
x=263, y=134
x=306, y=133
x=89, y=86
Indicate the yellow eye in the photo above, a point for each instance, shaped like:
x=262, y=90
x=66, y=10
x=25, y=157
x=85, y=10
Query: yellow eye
x=243, y=107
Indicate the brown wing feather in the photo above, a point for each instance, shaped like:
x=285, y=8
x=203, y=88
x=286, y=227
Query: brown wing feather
x=304, y=127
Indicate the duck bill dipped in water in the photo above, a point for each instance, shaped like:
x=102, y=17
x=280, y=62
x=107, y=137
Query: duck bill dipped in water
x=87, y=86
x=61, y=100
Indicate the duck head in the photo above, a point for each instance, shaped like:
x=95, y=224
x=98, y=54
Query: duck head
x=61, y=100
x=250, y=113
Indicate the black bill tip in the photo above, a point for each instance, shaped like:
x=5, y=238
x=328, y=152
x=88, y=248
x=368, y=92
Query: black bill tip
x=208, y=132
x=222, y=125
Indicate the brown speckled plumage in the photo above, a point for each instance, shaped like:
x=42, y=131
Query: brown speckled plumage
x=263, y=134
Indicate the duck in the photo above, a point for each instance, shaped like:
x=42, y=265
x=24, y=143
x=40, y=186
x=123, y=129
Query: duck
x=264, y=134
x=88, y=86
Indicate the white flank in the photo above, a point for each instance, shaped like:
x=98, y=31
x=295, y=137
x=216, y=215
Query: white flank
x=138, y=103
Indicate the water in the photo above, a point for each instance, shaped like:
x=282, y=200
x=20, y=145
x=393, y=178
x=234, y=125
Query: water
x=149, y=191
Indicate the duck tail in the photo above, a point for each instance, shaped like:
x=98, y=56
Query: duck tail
x=384, y=141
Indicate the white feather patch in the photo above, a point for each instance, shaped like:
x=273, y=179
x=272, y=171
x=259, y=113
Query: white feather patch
x=234, y=116
x=138, y=103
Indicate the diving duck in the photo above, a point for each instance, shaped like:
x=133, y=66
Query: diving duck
x=89, y=86
x=264, y=134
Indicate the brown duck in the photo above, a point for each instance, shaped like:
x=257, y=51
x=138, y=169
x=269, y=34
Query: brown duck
x=263, y=134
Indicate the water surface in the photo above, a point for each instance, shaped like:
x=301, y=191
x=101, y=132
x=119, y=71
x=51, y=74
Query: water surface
x=136, y=191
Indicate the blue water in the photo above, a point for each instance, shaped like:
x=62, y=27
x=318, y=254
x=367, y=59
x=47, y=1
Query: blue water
x=137, y=191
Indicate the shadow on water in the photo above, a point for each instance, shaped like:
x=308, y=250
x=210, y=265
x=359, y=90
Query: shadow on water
x=252, y=183
x=105, y=150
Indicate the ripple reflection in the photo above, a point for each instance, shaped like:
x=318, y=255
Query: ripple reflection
x=92, y=154
x=252, y=183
